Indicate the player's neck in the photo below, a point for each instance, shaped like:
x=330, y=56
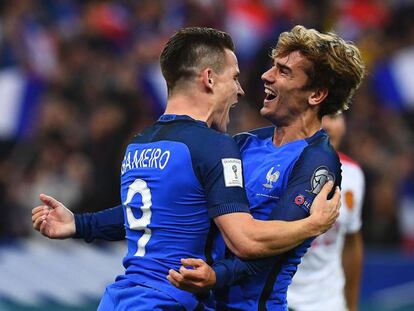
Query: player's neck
x=192, y=106
x=300, y=128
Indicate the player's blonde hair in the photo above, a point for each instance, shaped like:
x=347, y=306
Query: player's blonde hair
x=337, y=64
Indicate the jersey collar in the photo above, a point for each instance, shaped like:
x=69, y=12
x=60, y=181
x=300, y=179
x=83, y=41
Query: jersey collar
x=176, y=117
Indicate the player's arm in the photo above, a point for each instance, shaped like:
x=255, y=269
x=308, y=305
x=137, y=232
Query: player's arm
x=293, y=208
x=196, y=276
x=250, y=238
x=56, y=221
x=220, y=172
x=352, y=257
x=104, y=225
x=293, y=205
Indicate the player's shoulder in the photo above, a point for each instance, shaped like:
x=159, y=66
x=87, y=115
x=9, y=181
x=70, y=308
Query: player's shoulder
x=319, y=157
x=183, y=129
x=191, y=129
x=317, y=162
x=208, y=138
x=208, y=145
x=259, y=133
x=319, y=149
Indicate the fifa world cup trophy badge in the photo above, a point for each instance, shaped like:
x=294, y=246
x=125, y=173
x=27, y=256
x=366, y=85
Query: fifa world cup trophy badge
x=234, y=168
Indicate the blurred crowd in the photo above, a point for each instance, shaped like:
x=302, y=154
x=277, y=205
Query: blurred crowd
x=79, y=78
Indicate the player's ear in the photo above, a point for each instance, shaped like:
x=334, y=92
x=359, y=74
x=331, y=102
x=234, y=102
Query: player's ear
x=207, y=78
x=318, y=96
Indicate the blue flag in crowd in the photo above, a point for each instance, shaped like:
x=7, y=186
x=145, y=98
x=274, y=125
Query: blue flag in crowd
x=19, y=96
x=394, y=80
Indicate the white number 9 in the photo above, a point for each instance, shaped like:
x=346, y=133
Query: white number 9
x=141, y=187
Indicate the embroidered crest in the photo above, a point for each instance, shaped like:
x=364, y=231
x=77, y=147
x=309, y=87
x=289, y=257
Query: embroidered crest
x=271, y=178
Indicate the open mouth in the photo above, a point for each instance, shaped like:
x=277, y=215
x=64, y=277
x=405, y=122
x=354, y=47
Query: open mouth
x=270, y=94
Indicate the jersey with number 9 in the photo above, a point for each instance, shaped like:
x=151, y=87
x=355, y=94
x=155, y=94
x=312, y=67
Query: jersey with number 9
x=175, y=177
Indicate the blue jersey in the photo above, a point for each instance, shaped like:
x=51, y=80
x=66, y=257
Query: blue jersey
x=281, y=183
x=175, y=177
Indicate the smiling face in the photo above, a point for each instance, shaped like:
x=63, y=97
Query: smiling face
x=227, y=90
x=285, y=86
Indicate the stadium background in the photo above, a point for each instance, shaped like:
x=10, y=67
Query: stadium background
x=78, y=78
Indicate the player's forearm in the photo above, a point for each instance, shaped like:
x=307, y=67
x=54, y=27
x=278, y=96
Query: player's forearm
x=277, y=237
x=106, y=225
x=267, y=238
x=250, y=238
x=352, y=258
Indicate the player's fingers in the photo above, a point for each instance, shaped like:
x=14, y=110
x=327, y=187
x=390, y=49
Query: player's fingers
x=195, y=277
x=49, y=201
x=37, y=209
x=179, y=281
x=326, y=189
x=40, y=213
x=177, y=284
x=195, y=262
x=172, y=281
x=189, y=274
x=37, y=223
x=43, y=227
x=174, y=277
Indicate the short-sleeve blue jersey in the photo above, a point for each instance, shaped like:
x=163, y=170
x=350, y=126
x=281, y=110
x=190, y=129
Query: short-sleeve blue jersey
x=281, y=183
x=176, y=176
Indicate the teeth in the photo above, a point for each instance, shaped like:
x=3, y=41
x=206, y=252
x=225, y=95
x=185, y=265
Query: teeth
x=270, y=92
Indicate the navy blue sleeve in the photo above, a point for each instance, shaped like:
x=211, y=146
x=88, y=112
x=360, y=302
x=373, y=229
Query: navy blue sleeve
x=107, y=225
x=317, y=164
x=232, y=270
x=217, y=163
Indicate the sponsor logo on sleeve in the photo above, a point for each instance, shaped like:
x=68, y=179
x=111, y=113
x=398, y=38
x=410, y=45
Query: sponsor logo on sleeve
x=232, y=171
x=319, y=178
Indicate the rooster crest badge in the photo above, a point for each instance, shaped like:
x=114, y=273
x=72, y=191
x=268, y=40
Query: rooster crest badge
x=271, y=178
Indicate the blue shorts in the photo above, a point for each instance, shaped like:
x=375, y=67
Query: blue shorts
x=127, y=296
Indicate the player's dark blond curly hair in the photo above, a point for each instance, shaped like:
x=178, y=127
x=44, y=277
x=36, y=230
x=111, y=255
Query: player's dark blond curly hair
x=337, y=64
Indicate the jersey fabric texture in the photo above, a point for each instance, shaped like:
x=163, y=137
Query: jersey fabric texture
x=281, y=183
x=175, y=177
x=322, y=264
x=127, y=295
